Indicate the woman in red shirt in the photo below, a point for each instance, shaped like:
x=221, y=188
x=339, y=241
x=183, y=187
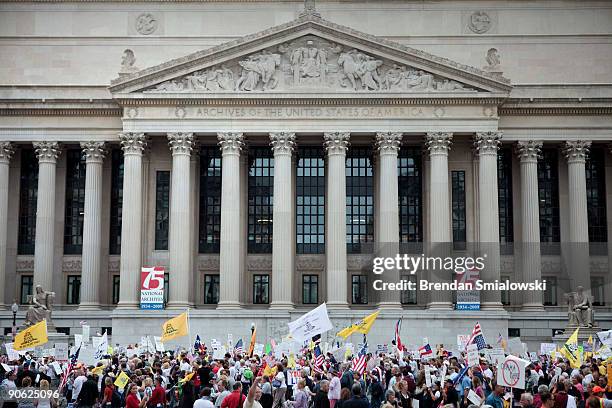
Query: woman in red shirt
x=132, y=399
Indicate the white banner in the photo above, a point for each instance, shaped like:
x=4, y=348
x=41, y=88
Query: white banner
x=85, y=338
x=102, y=348
x=10, y=352
x=61, y=351
x=78, y=340
x=159, y=346
x=547, y=348
x=473, y=358
x=511, y=373
x=496, y=356
x=310, y=324
x=605, y=337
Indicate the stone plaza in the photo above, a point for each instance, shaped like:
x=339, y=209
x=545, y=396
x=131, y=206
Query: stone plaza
x=262, y=151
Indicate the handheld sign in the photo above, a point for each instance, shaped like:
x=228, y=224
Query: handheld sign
x=511, y=373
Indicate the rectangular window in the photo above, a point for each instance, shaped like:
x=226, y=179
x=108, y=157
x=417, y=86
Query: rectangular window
x=116, y=202
x=550, y=295
x=261, y=185
x=359, y=290
x=458, y=209
x=505, y=294
x=75, y=202
x=162, y=210
x=261, y=288
x=598, y=290
x=409, y=297
x=359, y=199
x=166, y=288
x=73, y=290
x=210, y=200
x=116, y=288
x=410, y=194
x=310, y=289
x=596, y=195
x=27, y=288
x=211, y=289
x=28, y=189
x=504, y=198
x=548, y=193
x=310, y=201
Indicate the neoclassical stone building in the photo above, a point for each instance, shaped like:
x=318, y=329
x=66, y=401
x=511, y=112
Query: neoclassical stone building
x=261, y=151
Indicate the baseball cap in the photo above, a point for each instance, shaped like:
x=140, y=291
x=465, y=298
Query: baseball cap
x=598, y=389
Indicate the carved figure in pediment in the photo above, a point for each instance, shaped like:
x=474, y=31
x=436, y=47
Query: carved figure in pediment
x=127, y=62
x=249, y=78
x=393, y=77
x=225, y=78
x=448, y=85
x=368, y=73
x=418, y=80
x=268, y=63
x=256, y=68
x=172, y=85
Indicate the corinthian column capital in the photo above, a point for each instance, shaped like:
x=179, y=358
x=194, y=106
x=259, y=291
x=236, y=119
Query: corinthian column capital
x=388, y=142
x=576, y=150
x=529, y=150
x=132, y=142
x=336, y=142
x=487, y=142
x=438, y=142
x=180, y=143
x=93, y=152
x=282, y=142
x=231, y=142
x=47, y=152
x=6, y=152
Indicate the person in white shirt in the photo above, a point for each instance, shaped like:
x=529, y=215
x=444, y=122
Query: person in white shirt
x=204, y=400
x=252, y=399
x=185, y=366
x=223, y=391
x=78, y=383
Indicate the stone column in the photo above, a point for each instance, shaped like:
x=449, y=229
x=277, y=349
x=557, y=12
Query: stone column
x=388, y=145
x=530, y=258
x=6, y=152
x=94, y=153
x=438, y=144
x=576, y=152
x=336, y=144
x=486, y=144
x=44, y=244
x=133, y=144
x=179, y=241
x=231, y=144
x=283, y=144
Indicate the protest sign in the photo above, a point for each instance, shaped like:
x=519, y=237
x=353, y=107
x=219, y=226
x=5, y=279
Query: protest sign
x=511, y=373
x=474, y=398
x=310, y=324
x=61, y=351
x=472, y=355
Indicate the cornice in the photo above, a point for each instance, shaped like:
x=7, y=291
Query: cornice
x=89, y=112
x=554, y=111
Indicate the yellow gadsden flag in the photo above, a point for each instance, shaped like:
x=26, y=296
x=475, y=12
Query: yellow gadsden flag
x=175, y=327
x=122, y=380
x=34, y=335
x=570, y=350
x=363, y=326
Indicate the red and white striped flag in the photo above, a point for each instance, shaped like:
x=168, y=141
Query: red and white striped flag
x=359, y=363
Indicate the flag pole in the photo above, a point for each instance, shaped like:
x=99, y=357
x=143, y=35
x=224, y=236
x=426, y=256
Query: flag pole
x=189, y=331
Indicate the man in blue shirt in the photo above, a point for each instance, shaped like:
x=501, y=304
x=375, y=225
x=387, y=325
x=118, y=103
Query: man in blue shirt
x=495, y=398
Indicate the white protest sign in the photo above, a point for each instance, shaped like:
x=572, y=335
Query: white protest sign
x=230, y=339
x=88, y=356
x=102, y=348
x=533, y=356
x=310, y=324
x=547, y=348
x=425, y=340
x=462, y=340
x=56, y=366
x=159, y=345
x=10, y=352
x=428, y=381
x=605, y=337
x=472, y=355
x=95, y=341
x=78, y=340
x=85, y=334
x=496, y=356
x=6, y=368
x=219, y=353
x=511, y=373
x=474, y=398
x=515, y=346
x=61, y=351
x=258, y=349
x=604, y=352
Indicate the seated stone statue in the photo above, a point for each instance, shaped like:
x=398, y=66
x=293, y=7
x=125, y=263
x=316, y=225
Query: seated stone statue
x=583, y=307
x=41, y=306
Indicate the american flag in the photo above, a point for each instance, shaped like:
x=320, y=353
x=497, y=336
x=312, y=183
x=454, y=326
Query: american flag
x=198, y=347
x=318, y=358
x=425, y=351
x=359, y=362
x=398, y=342
x=477, y=338
x=238, y=348
x=71, y=363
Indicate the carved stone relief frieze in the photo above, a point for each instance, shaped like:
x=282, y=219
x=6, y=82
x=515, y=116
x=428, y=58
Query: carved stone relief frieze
x=310, y=63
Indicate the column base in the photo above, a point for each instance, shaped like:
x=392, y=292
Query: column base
x=390, y=305
x=178, y=305
x=337, y=305
x=282, y=305
x=532, y=307
x=440, y=306
x=229, y=305
x=493, y=306
x=127, y=305
x=89, y=306
x=4, y=307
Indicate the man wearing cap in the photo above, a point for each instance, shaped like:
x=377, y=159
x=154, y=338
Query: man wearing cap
x=599, y=393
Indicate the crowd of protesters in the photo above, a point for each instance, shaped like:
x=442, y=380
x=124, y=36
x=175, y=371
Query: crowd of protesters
x=395, y=380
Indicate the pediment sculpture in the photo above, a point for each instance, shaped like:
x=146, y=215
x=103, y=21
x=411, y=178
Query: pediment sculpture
x=311, y=63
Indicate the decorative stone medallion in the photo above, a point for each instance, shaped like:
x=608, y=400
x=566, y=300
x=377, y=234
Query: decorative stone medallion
x=479, y=22
x=146, y=24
